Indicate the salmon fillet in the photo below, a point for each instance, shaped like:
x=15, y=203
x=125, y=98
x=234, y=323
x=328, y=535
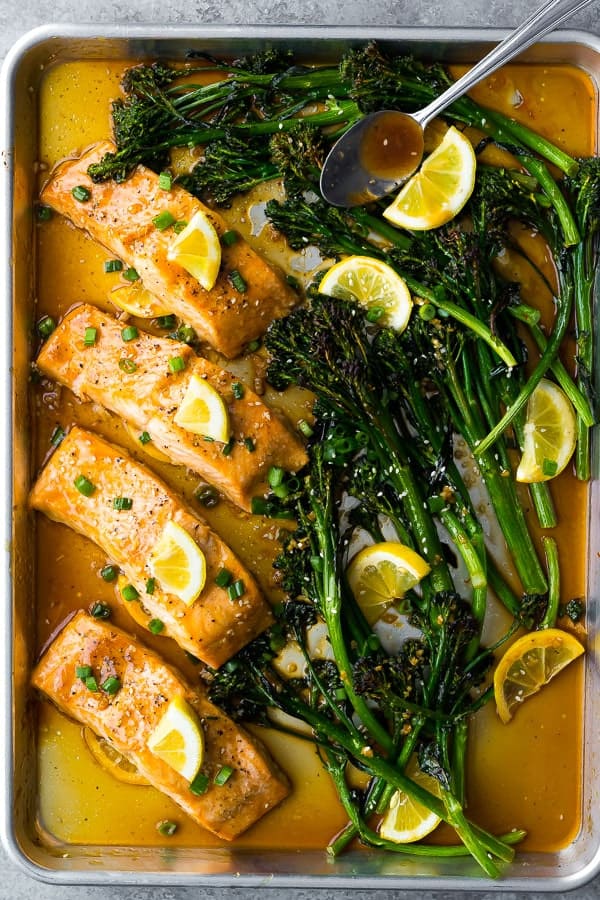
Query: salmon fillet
x=149, y=398
x=120, y=216
x=214, y=627
x=128, y=718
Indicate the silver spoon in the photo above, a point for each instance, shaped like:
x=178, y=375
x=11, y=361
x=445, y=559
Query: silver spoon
x=384, y=148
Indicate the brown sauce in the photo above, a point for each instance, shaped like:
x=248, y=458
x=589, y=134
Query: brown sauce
x=392, y=147
x=526, y=775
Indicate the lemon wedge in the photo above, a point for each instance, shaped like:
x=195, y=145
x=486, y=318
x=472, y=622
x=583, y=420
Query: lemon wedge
x=382, y=573
x=178, y=563
x=111, y=760
x=550, y=434
x=198, y=250
x=530, y=663
x=202, y=411
x=178, y=739
x=373, y=284
x=407, y=820
x=137, y=301
x=441, y=187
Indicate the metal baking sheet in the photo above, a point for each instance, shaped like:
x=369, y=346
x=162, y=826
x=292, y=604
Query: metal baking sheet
x=21, y=76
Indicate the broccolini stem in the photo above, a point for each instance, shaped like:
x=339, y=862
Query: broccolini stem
x=584, y=291
x=564, y=305
x=551, y=551
x=551, y=189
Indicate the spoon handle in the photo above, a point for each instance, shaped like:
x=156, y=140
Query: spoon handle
x=549, y=16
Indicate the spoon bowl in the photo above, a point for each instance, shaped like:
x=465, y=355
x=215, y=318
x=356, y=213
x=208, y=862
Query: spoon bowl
x=383, y=149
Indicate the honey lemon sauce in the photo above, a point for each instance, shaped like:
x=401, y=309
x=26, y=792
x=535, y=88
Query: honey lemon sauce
x=524, y=775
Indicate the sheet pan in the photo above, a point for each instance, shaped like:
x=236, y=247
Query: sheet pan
x=21, y=75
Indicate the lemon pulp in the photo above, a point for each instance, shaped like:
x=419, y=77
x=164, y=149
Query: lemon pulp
x=202, y=411
x=178, y=739
x=374, y=285
x=530, y=663
x=406, y=819
x=382, y=573
x=178, y=563
x=197, y=249
x=550, y=434
x=441, y=187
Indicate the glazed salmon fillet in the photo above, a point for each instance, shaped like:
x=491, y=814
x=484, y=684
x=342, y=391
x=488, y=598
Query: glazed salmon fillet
x=128, y=718
x=148, y=397
x=214, y=627
x=119, y=216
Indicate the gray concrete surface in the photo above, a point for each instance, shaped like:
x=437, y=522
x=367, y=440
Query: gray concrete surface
x=18, y=17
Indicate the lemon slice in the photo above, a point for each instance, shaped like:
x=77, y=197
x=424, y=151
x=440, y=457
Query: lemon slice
x=382, y=573
x=202, y=411
x=178, y=739
x=441, y=187
x=407, y=820
x=137, y=301
x=111, y=759
x=198, y=250
x=529, y=664
x=550, y=434
x=372, y=284
x=178, y=563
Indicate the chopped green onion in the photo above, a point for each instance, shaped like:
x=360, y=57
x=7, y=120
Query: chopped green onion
x=237, y=389
x=130, y=274
x=156, y=626
x=57, y=436
x=167, y=321
x=129, y=593
x=375, y=313
x=340, y=694
x=81, y=193
x=128, y=365
x=163, y=220
x=46, y=326
x=199, y=785
x=122, y=503
x=112, y=685
x=305, y=428
x=228, y=238
x=185, y=334
x=130, y=333
x=100, y=611
x=223, y=578
x=254, y=345
x=84, y=486
x=144, y=438
x=228, y=447
x=260, y=506
x=91, y=683
x=281, y=491
x=549, y=467
x=236, y=589
x=176, y=364
x=427, y=312
x=89, y=338
x=293, y=282
x=223, y=775
x=113, y=265
x=180, y=226
x=166, y=828
x=165, y=181
x=109, y=573
x=207, y=495
x=83, y=672
x=249, y=444
x=150, y=585
x=275, y=476
x=237, y=281
x=44, y=213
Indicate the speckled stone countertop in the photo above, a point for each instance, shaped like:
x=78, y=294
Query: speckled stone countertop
x=17, y=18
